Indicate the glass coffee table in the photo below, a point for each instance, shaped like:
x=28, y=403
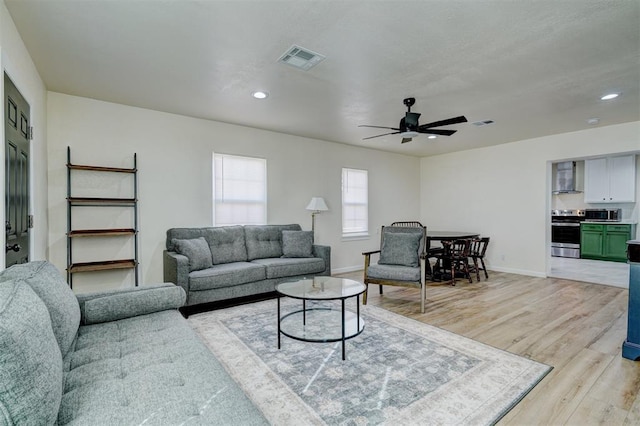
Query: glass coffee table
x=318, y=323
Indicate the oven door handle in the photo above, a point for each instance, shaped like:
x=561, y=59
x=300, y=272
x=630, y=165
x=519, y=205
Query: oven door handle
x=565, y=224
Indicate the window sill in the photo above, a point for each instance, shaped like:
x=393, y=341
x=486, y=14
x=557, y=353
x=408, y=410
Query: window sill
x=356, y=237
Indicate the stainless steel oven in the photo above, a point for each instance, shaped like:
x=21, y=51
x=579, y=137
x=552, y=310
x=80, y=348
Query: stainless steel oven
x=565, y=232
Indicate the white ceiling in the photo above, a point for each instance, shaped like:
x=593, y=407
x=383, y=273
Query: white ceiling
x=534, y=67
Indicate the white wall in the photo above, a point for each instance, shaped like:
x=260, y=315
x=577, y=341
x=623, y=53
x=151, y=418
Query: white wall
x=504, y=191
x=174, y=155
x=16, y=62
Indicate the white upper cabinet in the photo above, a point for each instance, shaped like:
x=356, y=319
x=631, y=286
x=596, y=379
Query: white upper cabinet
x=610, y=180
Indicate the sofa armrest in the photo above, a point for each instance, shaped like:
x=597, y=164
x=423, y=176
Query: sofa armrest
x=176, y=269
x=130, y=302
x=323, y=252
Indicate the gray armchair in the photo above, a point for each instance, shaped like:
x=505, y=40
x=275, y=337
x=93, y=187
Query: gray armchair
x=402, y=259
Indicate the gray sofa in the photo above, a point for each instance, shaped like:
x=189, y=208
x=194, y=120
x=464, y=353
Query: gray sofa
x=124, y=357
x=228, y=262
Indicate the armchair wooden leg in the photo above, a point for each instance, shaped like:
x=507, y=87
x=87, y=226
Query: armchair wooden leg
x=364, y=295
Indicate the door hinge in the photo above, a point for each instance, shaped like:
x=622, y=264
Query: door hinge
x=30, y=133
x=30, y=221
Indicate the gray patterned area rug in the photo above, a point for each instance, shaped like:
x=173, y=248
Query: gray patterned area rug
x=398, y=371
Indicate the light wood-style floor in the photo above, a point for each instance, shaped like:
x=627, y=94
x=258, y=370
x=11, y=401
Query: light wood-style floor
x=578, y=328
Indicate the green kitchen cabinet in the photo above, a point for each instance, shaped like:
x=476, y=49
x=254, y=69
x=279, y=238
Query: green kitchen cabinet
x=591, y=238
x=605, y=241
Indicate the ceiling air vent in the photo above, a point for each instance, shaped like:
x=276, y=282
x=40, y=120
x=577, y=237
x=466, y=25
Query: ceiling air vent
x=482, y=123
x=301, y=58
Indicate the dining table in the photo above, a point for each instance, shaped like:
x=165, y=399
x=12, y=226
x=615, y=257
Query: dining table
x=450, y=235
x=447, y=236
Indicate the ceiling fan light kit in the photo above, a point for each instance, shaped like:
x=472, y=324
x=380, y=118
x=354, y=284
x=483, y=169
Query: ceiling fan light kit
x=409, y=126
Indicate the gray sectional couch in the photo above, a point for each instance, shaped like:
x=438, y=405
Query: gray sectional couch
x=228, y=262
x=125, y=357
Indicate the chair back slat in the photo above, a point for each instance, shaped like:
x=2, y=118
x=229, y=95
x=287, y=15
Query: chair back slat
x=410, y=224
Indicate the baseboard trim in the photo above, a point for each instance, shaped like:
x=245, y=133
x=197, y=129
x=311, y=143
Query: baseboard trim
x=519, y=271
x=346, y=269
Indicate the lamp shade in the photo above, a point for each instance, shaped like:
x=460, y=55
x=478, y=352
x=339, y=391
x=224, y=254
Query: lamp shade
x=317, y=204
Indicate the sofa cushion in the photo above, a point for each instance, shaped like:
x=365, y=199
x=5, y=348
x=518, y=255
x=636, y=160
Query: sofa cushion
x=394, y=273
x=153, y=370
x=47, y=282
x=297, y=243
x=227, y=244
x=226, y=275
x=265, y=241
x=197, y=251
x=400, y=249
x=288, y=267
x=30, y=358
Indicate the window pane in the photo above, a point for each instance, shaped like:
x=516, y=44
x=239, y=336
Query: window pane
x=355, y=204
x=240, y=190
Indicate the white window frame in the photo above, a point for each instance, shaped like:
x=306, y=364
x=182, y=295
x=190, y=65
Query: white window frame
x=361, y=202
x=219, y=189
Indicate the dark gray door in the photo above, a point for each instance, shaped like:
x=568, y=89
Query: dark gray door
x=17, y=129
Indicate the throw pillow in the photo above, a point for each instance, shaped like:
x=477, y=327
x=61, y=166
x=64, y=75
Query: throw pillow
x=297, y=243
x=198, y=252
x=400, y=248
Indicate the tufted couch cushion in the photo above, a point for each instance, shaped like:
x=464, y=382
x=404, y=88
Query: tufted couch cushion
x=30, y=358
x=265, y=241
x=149, y=369
x=49, y=285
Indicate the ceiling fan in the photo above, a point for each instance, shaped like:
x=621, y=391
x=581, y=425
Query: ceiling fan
x=409, y=127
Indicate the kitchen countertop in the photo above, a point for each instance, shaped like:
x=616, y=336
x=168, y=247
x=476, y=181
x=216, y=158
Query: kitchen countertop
x=619, y=222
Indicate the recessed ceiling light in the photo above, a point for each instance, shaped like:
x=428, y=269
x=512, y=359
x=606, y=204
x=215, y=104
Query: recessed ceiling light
x=260, y=94
x=609, y=96
x=593, y=121
x=431, y=137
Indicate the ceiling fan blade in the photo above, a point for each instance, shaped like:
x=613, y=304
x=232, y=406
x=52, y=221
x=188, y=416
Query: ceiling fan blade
x=455, y=120
x=379, y=127
x=405, y=140
x=384, y=134
x=437, y=132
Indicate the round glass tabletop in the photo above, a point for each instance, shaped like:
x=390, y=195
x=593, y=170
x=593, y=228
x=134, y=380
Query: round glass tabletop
x=321, y=288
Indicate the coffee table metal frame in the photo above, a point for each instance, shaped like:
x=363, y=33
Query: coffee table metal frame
x=322, y=289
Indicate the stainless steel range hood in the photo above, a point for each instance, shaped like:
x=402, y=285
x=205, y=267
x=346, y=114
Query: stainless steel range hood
x=565, y=179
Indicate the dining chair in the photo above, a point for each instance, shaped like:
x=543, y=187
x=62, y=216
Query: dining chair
x=455, y=258
x=476, y=253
